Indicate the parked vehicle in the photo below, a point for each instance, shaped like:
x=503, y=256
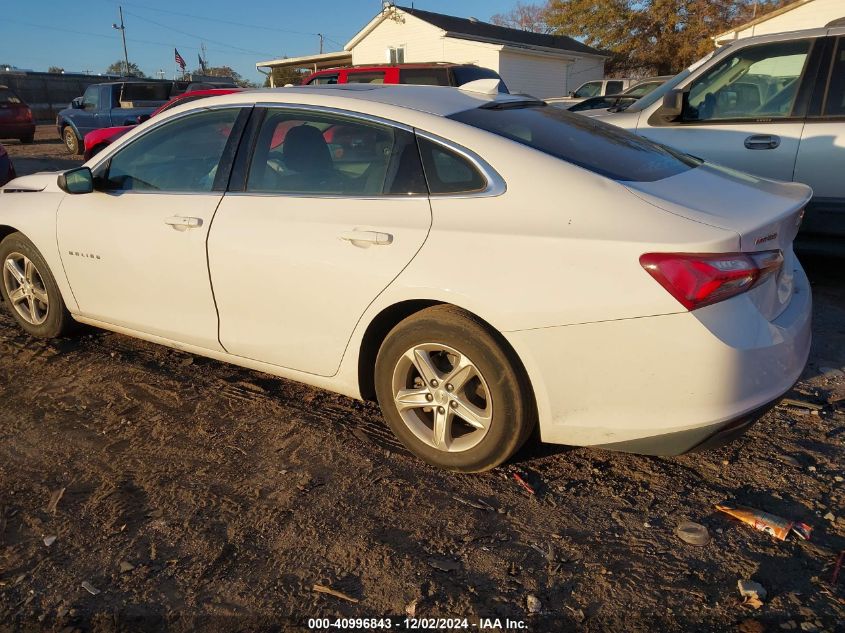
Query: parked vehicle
x=98, y=140
x=772, y=105
x=108, y=105
x=595, y=88
x=434, y=74
x=472, y=261
x=7, y=170
x=617, y=103
x=16, y=119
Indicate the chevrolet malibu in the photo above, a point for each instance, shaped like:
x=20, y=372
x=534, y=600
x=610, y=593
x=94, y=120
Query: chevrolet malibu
x=480, y=263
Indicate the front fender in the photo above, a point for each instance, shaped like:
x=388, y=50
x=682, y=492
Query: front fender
x=34, y=213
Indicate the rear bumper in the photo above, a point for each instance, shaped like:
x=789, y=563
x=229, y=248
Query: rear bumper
x=666, y=384
x=16, y=130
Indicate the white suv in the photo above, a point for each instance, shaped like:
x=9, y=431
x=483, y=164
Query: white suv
x=773, y=106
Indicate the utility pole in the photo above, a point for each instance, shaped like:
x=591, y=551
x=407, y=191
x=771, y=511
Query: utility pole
x=320, y=35
x=122, y=29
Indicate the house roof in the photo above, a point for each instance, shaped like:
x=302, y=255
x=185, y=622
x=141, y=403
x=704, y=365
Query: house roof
x=475, y=29
x=763, y=18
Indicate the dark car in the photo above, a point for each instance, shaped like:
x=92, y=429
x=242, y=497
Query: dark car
x=431, y=74
x=622, y=101
x=15, y=117
x=7, y=170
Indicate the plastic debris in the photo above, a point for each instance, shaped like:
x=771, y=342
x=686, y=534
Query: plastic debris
x=333, y=592
x=126, y=566
x=533, y=603
x=49, y=540
x=87, y=586
x=55, y=497
x=525, y=485
x=771, y=524
x=693, y=533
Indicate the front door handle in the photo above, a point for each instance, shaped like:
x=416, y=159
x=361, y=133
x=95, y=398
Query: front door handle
x=182, y=224
x=762, y=141
x=367, y=237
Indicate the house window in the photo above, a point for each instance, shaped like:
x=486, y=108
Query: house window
x=396, y=54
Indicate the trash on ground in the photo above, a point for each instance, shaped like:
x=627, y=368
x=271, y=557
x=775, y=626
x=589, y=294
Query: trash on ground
x=49, y=540
x=333, y=592
x=835, y=576
x=769, y=523
x=533, y=603
x=55, y=497
x=753, y=592
x=411, y=608
x=87, y=586
x=693, y=533
x=802, y=404
x=524, y=484
x=126, y=566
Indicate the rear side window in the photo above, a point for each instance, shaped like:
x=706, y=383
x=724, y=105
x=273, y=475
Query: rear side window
x=465, y=74
x=601, y=148
x=323, y=80
x=424, y=76
x=613, y=88
x=7, y=96
x=835, y=105
x=365, y=78
x=447, y=171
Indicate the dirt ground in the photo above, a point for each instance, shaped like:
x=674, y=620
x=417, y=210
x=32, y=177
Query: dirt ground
x=194, y=495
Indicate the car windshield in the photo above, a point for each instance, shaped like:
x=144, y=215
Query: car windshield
x=601, y=148
x=640, y=90
x=655, y=95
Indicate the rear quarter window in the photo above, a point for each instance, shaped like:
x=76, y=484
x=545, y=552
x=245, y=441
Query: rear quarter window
x=7, y=96
x=598, y=147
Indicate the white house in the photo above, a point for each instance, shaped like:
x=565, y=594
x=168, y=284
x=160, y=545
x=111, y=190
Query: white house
x=533, y=63
x=801, y=14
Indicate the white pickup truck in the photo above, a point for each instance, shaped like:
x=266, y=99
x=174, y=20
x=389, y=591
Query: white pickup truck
x=596, y=88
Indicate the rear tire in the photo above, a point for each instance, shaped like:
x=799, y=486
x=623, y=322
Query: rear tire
x=450, y=392
x=72, y=141
x=30, y=291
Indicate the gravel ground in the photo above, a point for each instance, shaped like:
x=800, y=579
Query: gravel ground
x=197, y=495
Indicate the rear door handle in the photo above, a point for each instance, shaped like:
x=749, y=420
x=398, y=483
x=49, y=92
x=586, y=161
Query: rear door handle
x=762, y=141
x=181, y=223
x=367, y=237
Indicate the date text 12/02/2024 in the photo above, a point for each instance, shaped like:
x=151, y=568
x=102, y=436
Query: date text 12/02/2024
x=489, y=625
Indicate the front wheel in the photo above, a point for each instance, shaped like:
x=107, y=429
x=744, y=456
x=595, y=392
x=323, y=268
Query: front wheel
x=30, y=291
x=71, y=140
x=450, y=392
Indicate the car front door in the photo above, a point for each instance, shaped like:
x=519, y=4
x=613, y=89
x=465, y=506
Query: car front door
x=821, y=156
x=134, y=250
x=330, y=211
x=745, y=111
x=85, y=118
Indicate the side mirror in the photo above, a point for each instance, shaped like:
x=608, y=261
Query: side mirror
x=673, y=104
x=79, y=180
x=76, y=104
x=571, y=93
x=142, y=117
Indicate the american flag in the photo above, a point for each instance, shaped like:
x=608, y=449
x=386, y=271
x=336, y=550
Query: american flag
x=179, y=59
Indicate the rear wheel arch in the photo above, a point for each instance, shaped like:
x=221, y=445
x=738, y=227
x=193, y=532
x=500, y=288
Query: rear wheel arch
x=391, y=316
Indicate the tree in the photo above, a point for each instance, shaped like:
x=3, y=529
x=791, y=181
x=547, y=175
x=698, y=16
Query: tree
x=56, y=69
x=650, y=36
x=224, y=71
x=119, y=68
x=526, y=17
x=284, y=76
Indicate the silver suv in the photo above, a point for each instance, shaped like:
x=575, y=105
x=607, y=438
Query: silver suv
x=772, y=105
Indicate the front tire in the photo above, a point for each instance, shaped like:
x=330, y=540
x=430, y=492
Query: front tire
x=30, y=291
x=72, y=142
x=450, y=392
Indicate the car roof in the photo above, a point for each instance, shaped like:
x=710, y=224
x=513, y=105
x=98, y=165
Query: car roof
x=437, y=100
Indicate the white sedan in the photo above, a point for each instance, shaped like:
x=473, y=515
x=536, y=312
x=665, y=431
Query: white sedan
x=478, y=263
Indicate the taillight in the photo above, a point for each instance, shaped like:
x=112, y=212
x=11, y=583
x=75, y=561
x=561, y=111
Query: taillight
x=698, y=280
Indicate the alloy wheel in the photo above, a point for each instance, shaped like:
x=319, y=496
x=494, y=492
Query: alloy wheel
x=442, y=397
x=25, y=289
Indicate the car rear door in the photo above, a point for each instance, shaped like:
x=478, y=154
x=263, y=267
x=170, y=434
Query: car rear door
x=747, y=110
x=320, y=217
x=821, y=156
x=134, y=250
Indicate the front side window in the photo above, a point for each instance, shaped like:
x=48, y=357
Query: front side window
x=323, y=80
x=590, y=89
x=599, y=147
x=179, y=156
x=91, y=98
x=835, y=105
x=756, y=82
x=365, y=78
x=311, y=153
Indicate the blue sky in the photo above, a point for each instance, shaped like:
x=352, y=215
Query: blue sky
x=78, y=35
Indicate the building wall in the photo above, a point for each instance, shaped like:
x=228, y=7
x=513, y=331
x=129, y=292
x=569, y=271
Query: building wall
x=422, y=41
x=538, y=76
x=811, y=15
x=460, y=51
